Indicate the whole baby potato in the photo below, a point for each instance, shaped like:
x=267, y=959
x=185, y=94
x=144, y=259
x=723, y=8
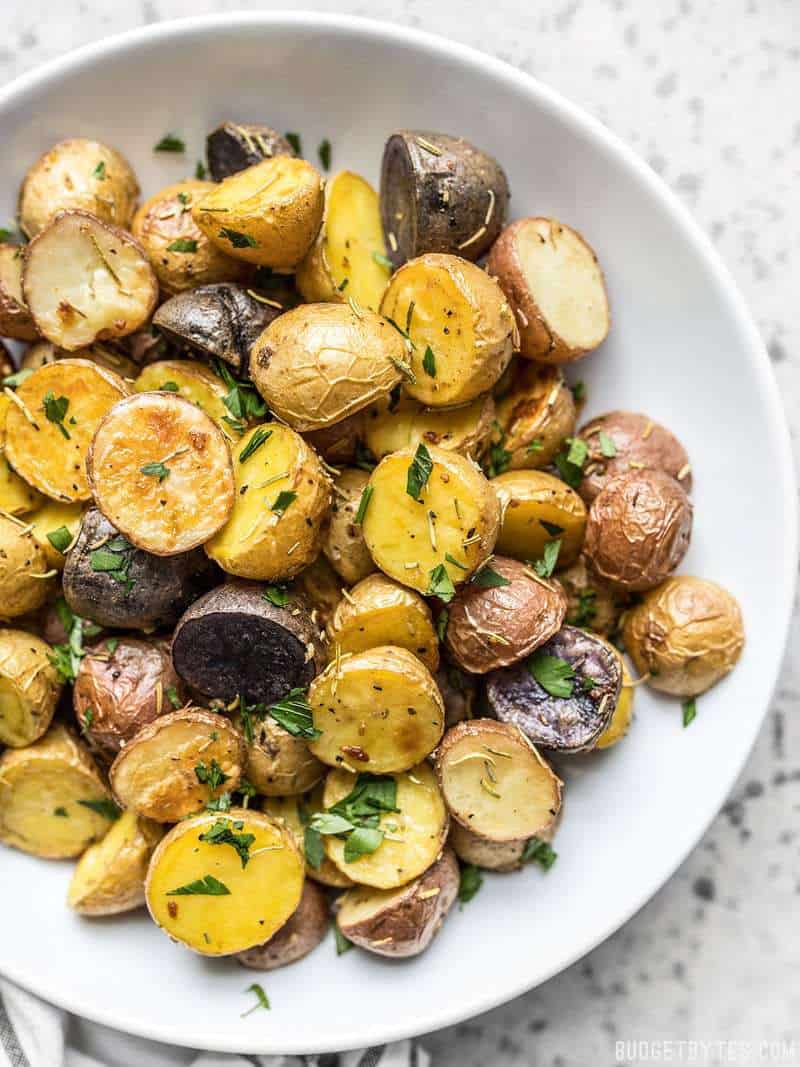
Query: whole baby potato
x=638, y=529
x=685, y=635
x=24, y=581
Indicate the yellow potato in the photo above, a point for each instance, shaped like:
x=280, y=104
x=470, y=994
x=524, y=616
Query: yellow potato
x=282, y=498
x=348, y=257
x=41, y=352
x=531, y=499
x=206, y=895
x=279, y=764
x=623, y=712
x=322, y=587
x=25, y=580
x=195, y=382
x=533, y=419
x=344, y=546
x=457, y=516
x=267, y=214
x=378, y=710
x=16, y=496
x=296, y=813
x=29, y=688
x=54, y=527
x=109, y=877
x=388, y=427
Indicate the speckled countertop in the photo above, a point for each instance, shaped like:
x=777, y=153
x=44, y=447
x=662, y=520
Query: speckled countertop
x=707, y=92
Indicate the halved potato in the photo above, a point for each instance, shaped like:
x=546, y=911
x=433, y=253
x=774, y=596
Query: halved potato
x=108, y=356
x=85, y=280
x=161, y=473
x=479, y=851
x=555, y=285
x=180, y=253
x=348, y=257
x=205, y=894
x=53, y=802
x=495, y=783
x=296, y=938
x=16, y=496
x=344, y=545
x=539, y=508
x=460, y=329
x=29, y=688
x=414, y=835
x=156, y=772
x=109, y=878
x=322, y=587
x=54, y=527
x=267, y=214
x=279, y=764
x=622, y=716
x=378, y=711
x=456, y=518
x=400, y=922
x=296, y=812
x=15, y=318
x=282, y=498
x=533, y=419
x=25, y=579
x=388, y=427
x=56, y=412
x=378, y=611
x=192, y=380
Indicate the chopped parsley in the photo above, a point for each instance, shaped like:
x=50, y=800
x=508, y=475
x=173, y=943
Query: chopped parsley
x=60, y=539
x=545, y=566
x=441, y=623
x=552, y=528
x=200, y=170
x=277, y=595
x=440, y=584
x=293, y=713
x=212, y=776
x=55, y=408
x=227, y=832
x=364, y=459
x=486, y=578
x=607, y=446
x=570, y=461
x=182, y=244
x=313, y=848
x=238, y=239
x=419, y=472
x=282, y=501
x=156, y=470
x=111, y=645
x=429, y=362
x=105, y=807
x=324, y=153
x=243, y=401
x=207, y=886
x=586, y=610
x=170, y=142
x=13, y=380
x=536, y=445
x=470, y=882
x=114, y=559
x=99, y=171
x=62, y=813
x=172, y=696
x=66, y=658
x=538, y=851
x=382, y=260
x=552, y=673
x=295, y=142
x=578, y=391
x=363, y=504
x=499, y=457
x=260, y=437
x=169, y=387
x=343, y=944
x=454, y=561
x=262, y=1002
x=689, y=711
x=356, y=817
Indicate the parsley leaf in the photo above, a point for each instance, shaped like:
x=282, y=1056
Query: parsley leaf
x=156, y=470
x=363, y=504
x=293, y=713
x=536, y=445
x=552, y=528
x=419, y=472
x=429, y=362
x=295, y=142
x=200, y=170
x=263, y=999
x=105, y=807
x=552, y=673
x=238, y=239
x=578, y=391
x=207, y=886
x=441, y=623
x=114, y=559
x=66, y=658
x=382, y=260
x=172, y=696
x=486, y=578
x=361, y=842
x=538, y=851
x=225, y=832
x=56, y=410
x=356, y=817
x=343, y=944
x=607, y=446
x=13, y=380
x=689, y=711
x=60, y=539
x=277, y=595
x=586, y=609
x=182, y=244
x=170, y=142
x=99, y=171
x=324, y=153
x=282, y=501
x=364, y=459
x=440, y=584
x=313, y=847
x=242, y=401
x=545, y=566
x=259, y=438
x=212, y=776
x=569, y=462
x=470, y=882
x=169, y=387
x=499, y=457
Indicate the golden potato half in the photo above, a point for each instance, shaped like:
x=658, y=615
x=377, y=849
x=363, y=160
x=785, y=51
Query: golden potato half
x=193, y=381
x=539, y=508
x=534, y=417
x=296, y=812
x=16, y=496
x=29, y=688
x=109, y=877
x=390, y=426
x=25, y=579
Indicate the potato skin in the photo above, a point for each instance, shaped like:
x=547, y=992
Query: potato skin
x=337, y=444
x=535, y=416
x=454, y=200
x=408, y=919
x=279, y=764
x=491, y=628
x=16, y=320
x=21, y=557
x=686, y=635
x=122, y=858
x=124, y=690
x=69, y=176
x=319, y=363
x=296, y=938
x=591, y=602
x=27, y=678
x=638, y=529
x=322, y=588
x=232, y=147
x=459, y=692
x=344, y=546
x=639, y=442
x=489, y=855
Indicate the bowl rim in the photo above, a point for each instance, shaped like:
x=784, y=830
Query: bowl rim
x=604, y=140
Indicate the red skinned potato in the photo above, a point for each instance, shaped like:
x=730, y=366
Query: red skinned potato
x=621, y=441
x=638, y=529
x=555, y=286
x=296, y=938
x=493, y=627
x=15, y=318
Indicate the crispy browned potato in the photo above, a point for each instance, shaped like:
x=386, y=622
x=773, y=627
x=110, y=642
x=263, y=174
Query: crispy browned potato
x=15, y=318
x=25, y=580
x=440, y=194
x=496, y=625
x=539, y=509
x=109, y=877
x=279, y=764
x=591, y=602
x=400, y=922
x=344, y=545
x=177, y=763
x=534, y=417
x=122, y=684
x=685, y=635
x=390, y=426
x=29, y=688
x=180, y=253
x=555, y=286
x=638, y=529
x=233, y=146
x=622, y=441
x=296, y=938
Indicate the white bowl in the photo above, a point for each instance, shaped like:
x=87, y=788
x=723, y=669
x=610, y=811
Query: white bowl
x=682, y=348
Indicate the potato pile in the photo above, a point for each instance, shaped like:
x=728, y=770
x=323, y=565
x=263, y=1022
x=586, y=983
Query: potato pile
x=311, y=585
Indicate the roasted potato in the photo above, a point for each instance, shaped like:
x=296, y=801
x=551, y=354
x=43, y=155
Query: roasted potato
x=111, y=356
x=400, y=922
x=177, y=763
x=29, y=688
x=234, y=642
x=281, y=502
x=344, y=545
x=232, y=147
x=15, y=318
x=160, y=470
x=622, y=441
x=348, y=257
x=685, y=635
x=622, y=716
x=85, y=280
x=16, y=496
x=55, y=527
x=123, y=684
x=564, y=695
x=296, y=812
x=267, y=214
x=135, y=590
x=440, y=194
x=493, y=626
x=533, y=419
x=638, y=529
x=319, y=363
x=539, y=509
x=555, y=286
x=378, y=611
x=338, y=443
x=431, y=519
x=591, y=603
x=25, y=580
x=53, y=802
x=78, y=173
x=109, y=877
x=495, y=783
x=248, y=863
x=458, y=327
x=459, y=692
x=50, y=428
x=390, y=426
x=193, y=381
x=180, y=253
x=322, y=588
x=279, y=764
x=221, y=321
x=377, y=711
x=296, y=938
x=490, y=855
x=414, y=834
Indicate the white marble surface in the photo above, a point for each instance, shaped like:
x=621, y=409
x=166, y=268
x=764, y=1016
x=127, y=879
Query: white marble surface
x=707, y=92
